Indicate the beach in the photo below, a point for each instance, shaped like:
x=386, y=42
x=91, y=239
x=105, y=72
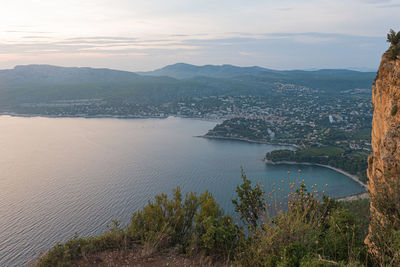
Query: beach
x=351, y=176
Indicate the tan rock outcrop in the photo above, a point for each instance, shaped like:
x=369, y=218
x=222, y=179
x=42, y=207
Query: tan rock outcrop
x=384, y=162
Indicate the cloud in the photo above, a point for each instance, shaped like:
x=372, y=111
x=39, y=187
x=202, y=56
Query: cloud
x=34, y=51
x=139, y=47
x=389, y=6
x=36, y=37
x=277, y=51
x=284, y=8
x=243, y=53
x=147, y=34
x=382, y=3
x=21, y=31
x=313, y=39
x=108, y=38
x=376, y=1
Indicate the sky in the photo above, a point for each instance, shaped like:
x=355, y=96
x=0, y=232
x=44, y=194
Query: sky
x=145, y=35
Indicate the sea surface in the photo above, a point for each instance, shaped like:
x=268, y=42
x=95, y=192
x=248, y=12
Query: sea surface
x=59, y=176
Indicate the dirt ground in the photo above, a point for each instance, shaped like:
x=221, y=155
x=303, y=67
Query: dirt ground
x=135, y=258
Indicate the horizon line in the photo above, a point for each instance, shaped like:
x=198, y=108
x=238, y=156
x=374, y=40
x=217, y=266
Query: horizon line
x=357, y=69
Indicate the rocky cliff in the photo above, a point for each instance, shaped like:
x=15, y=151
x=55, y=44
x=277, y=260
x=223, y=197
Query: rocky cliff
x=384, y=163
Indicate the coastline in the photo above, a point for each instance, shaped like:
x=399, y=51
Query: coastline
x=100, y=116
x=105, y=116
x=247, y=140
x=354, y=197
x=351, y=176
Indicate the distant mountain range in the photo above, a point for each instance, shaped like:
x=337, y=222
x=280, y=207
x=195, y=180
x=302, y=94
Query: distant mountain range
x=45, y=83
x=328, y=80
x=188, y=71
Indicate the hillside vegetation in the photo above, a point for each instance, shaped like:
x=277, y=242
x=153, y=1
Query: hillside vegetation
x=43, y=84
x=354, y=162
x=384, y=163
x=311, y=230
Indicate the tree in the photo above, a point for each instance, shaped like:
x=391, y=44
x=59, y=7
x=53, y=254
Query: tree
x=250, y=203
x=394, y=39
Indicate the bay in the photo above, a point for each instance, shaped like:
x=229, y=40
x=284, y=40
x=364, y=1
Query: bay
x=59, y=176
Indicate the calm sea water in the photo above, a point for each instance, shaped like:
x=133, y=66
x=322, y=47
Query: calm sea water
x=59, y=176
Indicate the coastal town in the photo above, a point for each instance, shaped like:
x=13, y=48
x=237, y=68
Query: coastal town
x=299, y=116
x=327, y=127
x=288, y=114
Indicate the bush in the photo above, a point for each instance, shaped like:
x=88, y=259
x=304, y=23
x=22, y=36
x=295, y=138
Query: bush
x=76, y=247
x=393, y=112
x=161, y=223
x=214, y=233
x=394, y=39
x=297, y=229
x=359, y=209
x=249, y=204
x=385, y=220
x=196, y=225
x=312, y=230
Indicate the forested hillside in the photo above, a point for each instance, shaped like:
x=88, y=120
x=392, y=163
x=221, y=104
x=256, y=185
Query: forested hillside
x=35, y=88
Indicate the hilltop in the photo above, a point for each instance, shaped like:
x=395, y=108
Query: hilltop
x=34, y=89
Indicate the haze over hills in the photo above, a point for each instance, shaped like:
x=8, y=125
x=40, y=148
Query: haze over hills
x=42, y=83
x=30, y=84
x=324, y=79
x=187, y=71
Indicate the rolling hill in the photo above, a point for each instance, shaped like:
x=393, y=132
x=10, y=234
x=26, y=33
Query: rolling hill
x=30, y=84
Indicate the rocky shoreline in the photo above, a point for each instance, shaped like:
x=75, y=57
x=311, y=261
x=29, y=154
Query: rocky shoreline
x=247, y=140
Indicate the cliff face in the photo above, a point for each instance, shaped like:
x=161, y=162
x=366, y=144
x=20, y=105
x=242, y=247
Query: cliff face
x=384, y=163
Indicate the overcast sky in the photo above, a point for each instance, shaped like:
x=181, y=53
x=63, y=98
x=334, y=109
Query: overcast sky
x=148, y=34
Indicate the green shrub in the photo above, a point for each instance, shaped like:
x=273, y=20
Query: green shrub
x=360, y=211
x=393, y=112
x=341, y=240
x=300, y=228
x=75, y=248
x=161, y=223
x=311, y=230
x=371, y=159
x=394, y=39
x=196, y=225
x=214, y=233
x=249, y=204
x=385, y=220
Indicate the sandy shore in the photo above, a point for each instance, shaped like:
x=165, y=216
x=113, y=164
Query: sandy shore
x=353, y=177
x=354, y=197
